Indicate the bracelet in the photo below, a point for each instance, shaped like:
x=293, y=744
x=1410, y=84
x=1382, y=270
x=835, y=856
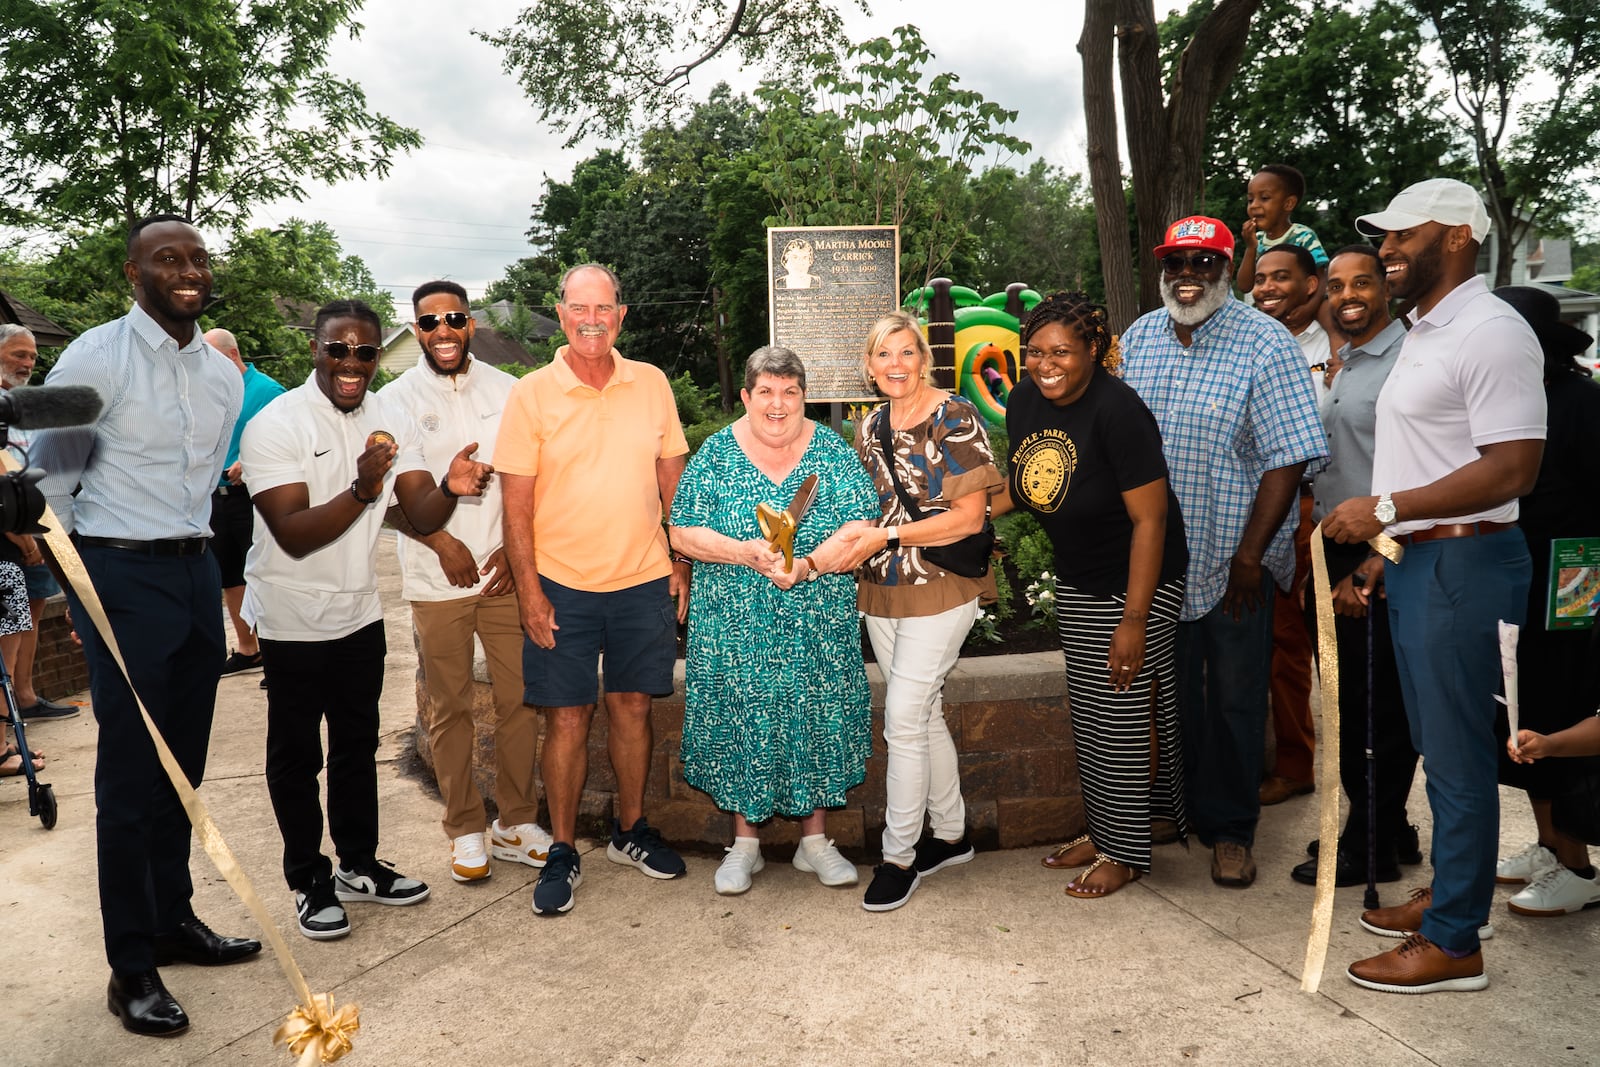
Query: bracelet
x=362, y=500
x=682, y=559
x=444, y=487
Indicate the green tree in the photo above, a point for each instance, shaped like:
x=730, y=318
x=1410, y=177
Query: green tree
x=1036, y=227
x=1342, y=92
x=113, y=109
x=603, y=66
x=1527, y=82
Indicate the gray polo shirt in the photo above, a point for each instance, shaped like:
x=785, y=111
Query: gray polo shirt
x=1350, y=419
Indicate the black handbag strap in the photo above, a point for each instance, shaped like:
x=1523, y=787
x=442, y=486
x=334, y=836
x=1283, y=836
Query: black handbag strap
x=886, y=442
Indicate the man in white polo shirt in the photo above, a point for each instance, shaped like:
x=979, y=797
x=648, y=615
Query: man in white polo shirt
x=1460, y=430
x=459, y=584
x=311, y=591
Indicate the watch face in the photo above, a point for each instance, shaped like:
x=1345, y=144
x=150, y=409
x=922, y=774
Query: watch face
x=1384, y=512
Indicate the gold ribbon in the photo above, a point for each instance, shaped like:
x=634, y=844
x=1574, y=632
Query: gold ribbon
x=319, y=1031
x=1328, y=756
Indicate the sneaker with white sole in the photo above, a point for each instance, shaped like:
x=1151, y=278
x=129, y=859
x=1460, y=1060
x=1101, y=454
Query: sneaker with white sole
x=816, y=855
x=562, y=874
x=469, y=862
x=1557, y=891
x=322, y=917
x=935, y=854
x=377, y=883
x=1525, y=866
x=733, y=877
x=523, y=842
x=643, y=847
x=891, y=887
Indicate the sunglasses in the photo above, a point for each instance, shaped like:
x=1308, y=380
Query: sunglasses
x=340, y=350
x=1199, y=262
x=456, y=320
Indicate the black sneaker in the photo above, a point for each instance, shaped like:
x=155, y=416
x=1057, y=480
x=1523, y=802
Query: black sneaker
x=378, y=883
x=933, y=854
x=239, y=663
x=45, y=710
x=322, y=917
x=552, y=895
x=642, y=847
x=891, y=887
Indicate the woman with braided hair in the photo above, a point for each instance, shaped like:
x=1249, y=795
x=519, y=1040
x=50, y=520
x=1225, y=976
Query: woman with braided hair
x=1086, y=460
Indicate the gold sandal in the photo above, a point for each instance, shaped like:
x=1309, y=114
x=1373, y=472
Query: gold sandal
x=1070, y=856
x=1080, y=888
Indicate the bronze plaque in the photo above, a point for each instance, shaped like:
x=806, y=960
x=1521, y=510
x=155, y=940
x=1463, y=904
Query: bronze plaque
x=828, y=285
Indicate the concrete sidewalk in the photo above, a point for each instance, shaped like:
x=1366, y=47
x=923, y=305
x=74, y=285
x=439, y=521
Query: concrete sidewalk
x=988, y=962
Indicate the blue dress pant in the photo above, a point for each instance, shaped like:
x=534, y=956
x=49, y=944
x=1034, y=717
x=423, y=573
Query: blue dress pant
x=339, y=680
x=166, y=614
x=1446, y=599
x=1224, y=666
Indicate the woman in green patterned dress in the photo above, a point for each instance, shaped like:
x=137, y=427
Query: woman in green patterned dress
x=777, y=719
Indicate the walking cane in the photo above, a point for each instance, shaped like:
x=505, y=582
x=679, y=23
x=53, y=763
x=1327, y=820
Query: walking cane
x=1371, y=899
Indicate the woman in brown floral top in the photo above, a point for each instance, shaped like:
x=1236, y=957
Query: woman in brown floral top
x=918, y=615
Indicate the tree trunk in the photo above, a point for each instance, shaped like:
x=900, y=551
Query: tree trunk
x=1105, y=164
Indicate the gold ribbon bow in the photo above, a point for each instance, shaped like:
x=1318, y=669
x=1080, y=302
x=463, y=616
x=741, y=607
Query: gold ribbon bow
x=323, y=1031
x=1328, y=755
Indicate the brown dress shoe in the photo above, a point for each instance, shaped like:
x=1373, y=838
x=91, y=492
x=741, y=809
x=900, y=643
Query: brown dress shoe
x=1403, y=920
x=1417, y=965
x=1276, y=790
x=1232, y=864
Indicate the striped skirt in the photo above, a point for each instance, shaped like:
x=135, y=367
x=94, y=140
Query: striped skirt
x=1125, y=785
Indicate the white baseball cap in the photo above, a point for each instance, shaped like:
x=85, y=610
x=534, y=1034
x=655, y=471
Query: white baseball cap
x=1441, y=200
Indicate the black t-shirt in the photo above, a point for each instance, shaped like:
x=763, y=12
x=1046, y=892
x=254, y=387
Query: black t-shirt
x=1070, y=466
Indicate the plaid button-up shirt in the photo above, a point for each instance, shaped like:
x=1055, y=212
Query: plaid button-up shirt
x=1232, y=405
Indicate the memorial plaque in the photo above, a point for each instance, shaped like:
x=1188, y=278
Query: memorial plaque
x=828, y=285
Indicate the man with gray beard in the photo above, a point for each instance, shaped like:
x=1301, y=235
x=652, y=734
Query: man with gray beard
x=1239, y=426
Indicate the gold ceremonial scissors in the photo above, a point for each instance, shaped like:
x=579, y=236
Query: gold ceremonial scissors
x=778, y=527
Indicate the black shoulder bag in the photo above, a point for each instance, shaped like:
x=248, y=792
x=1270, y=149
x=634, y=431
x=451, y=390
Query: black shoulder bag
x=968, y=557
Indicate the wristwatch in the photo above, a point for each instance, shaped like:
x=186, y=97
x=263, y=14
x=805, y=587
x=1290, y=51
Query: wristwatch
x=894, y=539
x=1384, y=510
x=812, y=574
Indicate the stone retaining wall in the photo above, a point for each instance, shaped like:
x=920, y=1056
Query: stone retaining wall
x=59, y=669
x=1007, y=714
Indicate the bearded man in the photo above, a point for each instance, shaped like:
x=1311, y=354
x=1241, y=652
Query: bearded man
x=1239, y=426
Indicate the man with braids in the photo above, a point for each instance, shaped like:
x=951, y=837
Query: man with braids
x=1086, y=461
x=1239, y=426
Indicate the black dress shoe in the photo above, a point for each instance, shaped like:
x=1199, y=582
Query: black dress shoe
x=144, y=1005
x=1408, y=847
x=194, y=942
x=1349, y=870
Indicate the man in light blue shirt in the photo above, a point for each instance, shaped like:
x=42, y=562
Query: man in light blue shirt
x=1239, y=426
x=143, y=473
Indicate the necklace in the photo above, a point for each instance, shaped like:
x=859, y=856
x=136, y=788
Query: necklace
x=913, y=406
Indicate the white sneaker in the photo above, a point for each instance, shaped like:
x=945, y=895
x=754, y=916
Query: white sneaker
x=1525, y=866
x=816, y=855
x=1556, y=892
x=526, y=842
x=468, y=860
x=733, y=877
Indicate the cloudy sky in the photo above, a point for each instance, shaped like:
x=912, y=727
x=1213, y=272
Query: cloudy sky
x=458, y=208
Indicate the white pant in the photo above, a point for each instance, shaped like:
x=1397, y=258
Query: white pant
x=923, y=777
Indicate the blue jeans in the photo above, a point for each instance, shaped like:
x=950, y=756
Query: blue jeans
x=1445, y=601
x=1223, y=666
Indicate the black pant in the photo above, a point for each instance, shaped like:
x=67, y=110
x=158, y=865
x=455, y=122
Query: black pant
x=1394, y=760
x=166, y=614
x=307, y=681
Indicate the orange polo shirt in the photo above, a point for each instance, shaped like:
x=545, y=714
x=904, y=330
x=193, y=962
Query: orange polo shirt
x=596, y=501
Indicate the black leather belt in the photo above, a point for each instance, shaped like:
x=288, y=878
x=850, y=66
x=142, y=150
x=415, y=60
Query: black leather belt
x=171, y=546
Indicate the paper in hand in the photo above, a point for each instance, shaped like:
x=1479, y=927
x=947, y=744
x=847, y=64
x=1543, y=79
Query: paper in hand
x=1508, y=667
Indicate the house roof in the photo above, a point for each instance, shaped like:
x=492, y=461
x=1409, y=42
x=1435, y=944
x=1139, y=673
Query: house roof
x=543, y=326
x=401, y=349
x=46, y=333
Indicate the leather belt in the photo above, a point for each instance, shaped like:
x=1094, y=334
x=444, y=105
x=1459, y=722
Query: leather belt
x=171, y=546
x=1459, y=529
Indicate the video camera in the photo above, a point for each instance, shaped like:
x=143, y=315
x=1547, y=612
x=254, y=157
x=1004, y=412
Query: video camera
x=37, y=408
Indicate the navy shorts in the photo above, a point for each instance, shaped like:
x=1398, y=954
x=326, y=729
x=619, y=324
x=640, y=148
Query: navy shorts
x=40, y=582
x=635, y=628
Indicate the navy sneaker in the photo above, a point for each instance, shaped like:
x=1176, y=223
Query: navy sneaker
x=643, y=848
x=45, y=710
x=934, y=854
x=552, y=895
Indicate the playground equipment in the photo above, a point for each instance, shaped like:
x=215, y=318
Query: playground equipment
x=975, y=341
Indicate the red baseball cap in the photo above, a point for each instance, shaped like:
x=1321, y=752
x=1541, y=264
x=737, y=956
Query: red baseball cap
x=1198, y=231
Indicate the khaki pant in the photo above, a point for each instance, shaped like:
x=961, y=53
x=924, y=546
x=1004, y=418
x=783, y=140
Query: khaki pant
x=444, y=632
